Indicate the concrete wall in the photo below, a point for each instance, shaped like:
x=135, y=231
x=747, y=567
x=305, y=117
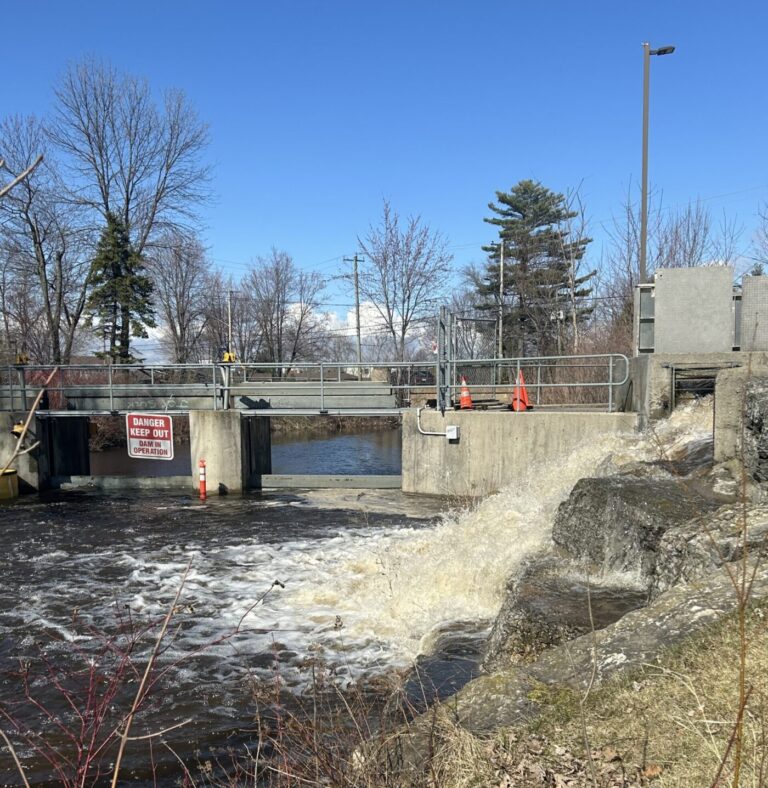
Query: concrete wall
x=215, y=437
x=494, y=448
x=694, y=310
x=729, y=409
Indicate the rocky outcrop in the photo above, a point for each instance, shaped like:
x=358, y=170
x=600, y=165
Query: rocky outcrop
x=606, y=559
x=546, y=604
x=509, y=696
x=517, y=694
x=705, y=543
x=614, y=524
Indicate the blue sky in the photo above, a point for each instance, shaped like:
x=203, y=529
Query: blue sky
x=318, y=110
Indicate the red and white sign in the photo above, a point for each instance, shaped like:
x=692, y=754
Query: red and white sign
x=150, y=436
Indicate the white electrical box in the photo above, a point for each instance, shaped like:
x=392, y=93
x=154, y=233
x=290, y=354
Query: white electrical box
x=452, y=433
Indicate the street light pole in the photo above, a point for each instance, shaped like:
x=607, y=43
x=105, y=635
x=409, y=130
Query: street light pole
x=647, y=52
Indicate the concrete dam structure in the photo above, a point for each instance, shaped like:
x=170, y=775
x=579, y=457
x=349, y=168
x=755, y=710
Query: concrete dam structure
x=691, y=326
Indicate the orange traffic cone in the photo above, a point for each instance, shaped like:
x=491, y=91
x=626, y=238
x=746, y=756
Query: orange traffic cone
x=519, y=398
x=465, y=400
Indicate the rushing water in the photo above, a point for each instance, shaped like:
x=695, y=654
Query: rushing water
x=369, y=581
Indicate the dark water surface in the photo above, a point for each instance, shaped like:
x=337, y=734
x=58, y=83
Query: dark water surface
x=371, y=452
x=78, y=569
x=375, y=452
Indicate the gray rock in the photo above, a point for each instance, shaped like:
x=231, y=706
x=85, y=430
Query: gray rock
x=755, y=436
x=548, y=602
x=705, y=543
x=614, y=524
x=505, y=698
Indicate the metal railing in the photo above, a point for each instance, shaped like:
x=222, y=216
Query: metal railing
x=584, y=381
x=552, y=381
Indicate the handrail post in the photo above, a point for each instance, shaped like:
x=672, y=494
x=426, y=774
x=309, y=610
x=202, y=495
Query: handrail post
x=215, y=394
x=10, y=388
x=225, y=370
x=111, y=389
x=538, y=384
x=322, y=390
x=610, y=384
x=22, y=387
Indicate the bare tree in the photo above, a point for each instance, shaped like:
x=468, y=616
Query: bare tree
x=179, y=270
x=284, y=304
x=404, y=273
x=42, y=236
x=24, y=327
x=127, y=156
x=760, y=243
x=576, y=285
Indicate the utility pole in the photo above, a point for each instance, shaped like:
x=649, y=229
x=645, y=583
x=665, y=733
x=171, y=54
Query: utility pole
x=354, y=261
x=501, y=300
x=229, y=325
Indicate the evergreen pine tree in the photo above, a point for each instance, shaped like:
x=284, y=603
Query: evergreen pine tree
x=543, y=291
x=121, y=299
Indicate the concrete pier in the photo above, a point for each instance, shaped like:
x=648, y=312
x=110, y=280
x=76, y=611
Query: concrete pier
x=237, y=450
x=494, y=448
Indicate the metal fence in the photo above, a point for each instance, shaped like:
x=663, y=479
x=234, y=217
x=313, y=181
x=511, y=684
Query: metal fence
x=583, y=382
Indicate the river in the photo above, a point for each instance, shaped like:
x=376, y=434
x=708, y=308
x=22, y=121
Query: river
x=356, y=453
x=370, y=583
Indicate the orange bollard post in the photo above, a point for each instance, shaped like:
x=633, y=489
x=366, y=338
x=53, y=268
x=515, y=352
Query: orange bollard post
x=201, y=465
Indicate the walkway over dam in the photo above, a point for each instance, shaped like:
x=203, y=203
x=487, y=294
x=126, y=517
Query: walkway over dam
x=444, y=450
x=576, y=382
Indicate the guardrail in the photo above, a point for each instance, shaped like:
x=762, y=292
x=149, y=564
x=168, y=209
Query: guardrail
x=552, y=381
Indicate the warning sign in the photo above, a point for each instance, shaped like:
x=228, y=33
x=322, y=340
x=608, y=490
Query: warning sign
x=150, y=436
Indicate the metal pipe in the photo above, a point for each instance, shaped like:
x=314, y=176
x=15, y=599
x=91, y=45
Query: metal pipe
x=425, y=432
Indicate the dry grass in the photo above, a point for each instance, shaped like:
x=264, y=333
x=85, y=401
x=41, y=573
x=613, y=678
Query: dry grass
x=668, y=724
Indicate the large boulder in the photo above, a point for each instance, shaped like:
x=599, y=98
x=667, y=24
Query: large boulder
x=550, y=601
x=613, y=525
